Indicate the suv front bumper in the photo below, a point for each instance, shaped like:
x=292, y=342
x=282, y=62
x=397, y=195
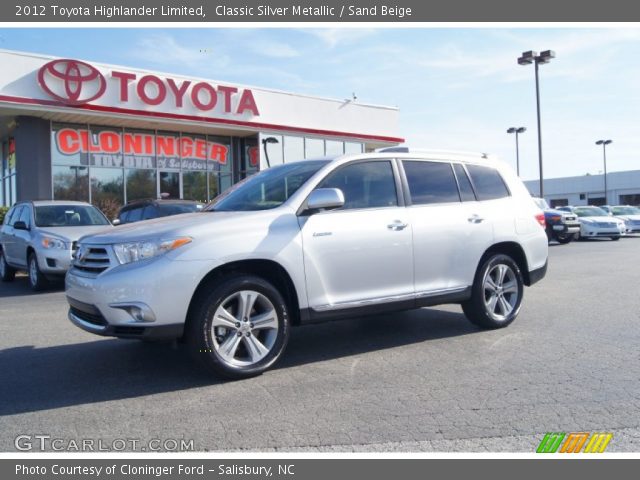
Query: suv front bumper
x=147, y=299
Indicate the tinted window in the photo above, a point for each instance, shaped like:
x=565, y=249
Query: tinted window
x=124, y=216
x=365, y=184
x=150, y=211
x=487, y=182
x=464, y=184
x=135, y=214
x=431, y=182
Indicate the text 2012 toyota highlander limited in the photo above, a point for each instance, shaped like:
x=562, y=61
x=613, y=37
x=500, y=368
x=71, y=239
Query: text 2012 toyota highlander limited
x=315, y=240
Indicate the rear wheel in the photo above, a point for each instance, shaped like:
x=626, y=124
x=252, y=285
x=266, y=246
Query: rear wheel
x=37, y=280
x=7, y=273
x=496, y=293
x=563, y=237
x=240, y=328
x=615, y=239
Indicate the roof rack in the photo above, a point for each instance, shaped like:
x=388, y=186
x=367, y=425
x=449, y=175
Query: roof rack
x=422, y=150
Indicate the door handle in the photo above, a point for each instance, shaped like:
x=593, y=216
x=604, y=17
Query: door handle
x=475, y=218
x=397, y=225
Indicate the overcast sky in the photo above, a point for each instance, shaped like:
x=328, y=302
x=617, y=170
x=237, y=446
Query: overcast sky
x=457, y=88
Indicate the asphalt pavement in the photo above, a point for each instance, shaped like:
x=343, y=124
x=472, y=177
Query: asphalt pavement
x=426, y=380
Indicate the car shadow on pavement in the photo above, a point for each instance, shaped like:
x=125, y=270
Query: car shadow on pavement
x=35, y=379
x=20, y=287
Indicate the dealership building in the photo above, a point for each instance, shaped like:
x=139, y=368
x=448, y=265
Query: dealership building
x=623, y=188
x=106, y=134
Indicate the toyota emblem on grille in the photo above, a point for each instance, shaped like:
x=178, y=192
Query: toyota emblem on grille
x=72, y=81
x=81, y=253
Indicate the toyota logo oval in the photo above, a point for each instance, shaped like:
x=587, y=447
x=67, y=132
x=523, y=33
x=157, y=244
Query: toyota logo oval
x=72, y=81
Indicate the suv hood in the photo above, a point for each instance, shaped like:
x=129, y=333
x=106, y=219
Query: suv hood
x=562, y=213
x=73, y=233
x=185, y=224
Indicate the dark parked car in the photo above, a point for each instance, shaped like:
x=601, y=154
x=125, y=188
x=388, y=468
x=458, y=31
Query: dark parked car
x=561, y=226
x=154, y=208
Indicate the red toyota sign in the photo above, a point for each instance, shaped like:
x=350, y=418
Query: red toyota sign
x=73, y=82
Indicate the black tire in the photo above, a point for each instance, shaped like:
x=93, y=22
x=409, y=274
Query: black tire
x=563, y=238
x=478, y=308
x=207, y=342
x=615, y=239
x=7, y=273
x=37, y=280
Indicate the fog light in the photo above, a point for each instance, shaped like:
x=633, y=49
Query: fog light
x=138, y=311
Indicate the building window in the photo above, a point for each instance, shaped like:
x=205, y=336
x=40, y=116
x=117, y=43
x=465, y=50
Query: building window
x=352, y=147
x=630, y=199
x=71, y=183
x=333, y=148
x=194, y=186
x=558, y=202
x=313, y=147
x=293, y=148
x=107, y=190
x=141, y=184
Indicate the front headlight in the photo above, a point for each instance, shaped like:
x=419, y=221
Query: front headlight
x=132, y=252
x=52, y=242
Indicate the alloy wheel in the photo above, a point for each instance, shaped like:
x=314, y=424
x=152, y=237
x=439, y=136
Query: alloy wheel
x=500, y=291
x=244, y=328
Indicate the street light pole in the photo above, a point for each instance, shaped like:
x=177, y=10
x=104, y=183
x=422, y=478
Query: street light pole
x=528, y=58
x=517, y=131
x=265, y=141
x=604, y=144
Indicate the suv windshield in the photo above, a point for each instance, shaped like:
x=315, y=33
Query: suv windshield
x=590, y=212
x=68, y=216
x=625, y=211
x=267, y=189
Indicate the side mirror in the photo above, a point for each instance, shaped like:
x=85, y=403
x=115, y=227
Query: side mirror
x=20, y=225
x=325, y=198
x=115, y=222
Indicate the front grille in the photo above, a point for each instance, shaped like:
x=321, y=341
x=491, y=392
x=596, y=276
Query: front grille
x=569, y=218
x=92, y=318
x=606, y=225
x=91, y=259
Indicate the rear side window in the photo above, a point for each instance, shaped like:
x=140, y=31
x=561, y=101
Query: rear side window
x=464, y=184
x=124, y=216
x=430, y=182
x=488, y=183
x=365, y=185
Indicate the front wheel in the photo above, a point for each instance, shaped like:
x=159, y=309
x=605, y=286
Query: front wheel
x=615, y=239
x=240, y=328
x=37, y=280
x=7, y=273
x=496, y=294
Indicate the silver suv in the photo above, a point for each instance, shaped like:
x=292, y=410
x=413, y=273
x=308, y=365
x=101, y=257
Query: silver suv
x=315, y=240
x=40, y=236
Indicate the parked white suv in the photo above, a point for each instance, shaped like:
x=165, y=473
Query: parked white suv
x=315, y=240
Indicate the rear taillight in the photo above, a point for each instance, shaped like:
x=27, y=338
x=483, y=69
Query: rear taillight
x=540, y=219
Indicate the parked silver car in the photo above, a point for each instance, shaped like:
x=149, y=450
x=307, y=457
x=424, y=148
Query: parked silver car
x=315, y=240
x=39, y=237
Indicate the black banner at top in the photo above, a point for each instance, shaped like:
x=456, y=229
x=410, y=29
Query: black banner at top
x=68, y=11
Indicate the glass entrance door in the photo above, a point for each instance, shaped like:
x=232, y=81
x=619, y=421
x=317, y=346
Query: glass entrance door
x=169, y=184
